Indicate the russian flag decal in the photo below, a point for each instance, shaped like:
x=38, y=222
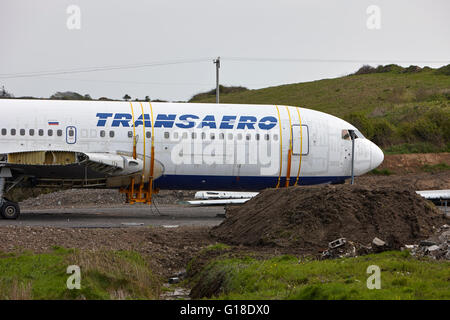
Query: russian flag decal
x=53, y=123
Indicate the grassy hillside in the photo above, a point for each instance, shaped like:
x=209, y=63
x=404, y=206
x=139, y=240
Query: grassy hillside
x=401, y=109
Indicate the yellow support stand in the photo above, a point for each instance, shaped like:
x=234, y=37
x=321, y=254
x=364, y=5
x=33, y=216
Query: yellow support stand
x=141, y=194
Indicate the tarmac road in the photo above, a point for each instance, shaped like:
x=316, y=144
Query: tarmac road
x=120, y=216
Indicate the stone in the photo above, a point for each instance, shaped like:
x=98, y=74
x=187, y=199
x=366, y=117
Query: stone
x=174, y=280
x=433, y=248
x=427, y=243
x=337, y=243
x=378, y=242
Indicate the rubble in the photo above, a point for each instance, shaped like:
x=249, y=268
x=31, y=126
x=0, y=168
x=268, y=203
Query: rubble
x=342, y=248
x=436, y=247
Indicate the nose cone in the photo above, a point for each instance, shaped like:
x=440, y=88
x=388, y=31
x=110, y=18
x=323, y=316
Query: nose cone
x=377, y=156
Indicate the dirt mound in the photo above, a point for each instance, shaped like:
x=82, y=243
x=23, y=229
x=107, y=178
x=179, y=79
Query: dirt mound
x=308, y=218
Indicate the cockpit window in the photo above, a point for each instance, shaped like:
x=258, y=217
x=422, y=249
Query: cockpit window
x=359, y=134
x=346, y=134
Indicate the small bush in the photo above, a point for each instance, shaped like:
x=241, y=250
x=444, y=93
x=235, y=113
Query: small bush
x=360, y=121
x=383, y=132
x=365, y=69
x=445, y=70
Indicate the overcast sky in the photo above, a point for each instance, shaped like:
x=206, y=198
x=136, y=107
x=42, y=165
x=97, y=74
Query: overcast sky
x=35, y=37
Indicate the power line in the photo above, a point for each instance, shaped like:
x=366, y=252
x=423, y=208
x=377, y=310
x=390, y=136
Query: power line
x=187, y=61
x=96, y=69
x=266, y=59
x=131, y=82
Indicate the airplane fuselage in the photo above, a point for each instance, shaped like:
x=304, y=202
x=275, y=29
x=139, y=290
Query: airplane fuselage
x=194, y=146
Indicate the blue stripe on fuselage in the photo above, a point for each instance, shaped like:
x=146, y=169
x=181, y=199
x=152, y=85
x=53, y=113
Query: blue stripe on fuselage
x=209, y=182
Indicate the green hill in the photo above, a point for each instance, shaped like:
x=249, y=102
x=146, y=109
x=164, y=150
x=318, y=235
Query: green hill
x=401, y=109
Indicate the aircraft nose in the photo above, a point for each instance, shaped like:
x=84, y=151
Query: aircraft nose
x=377, y=156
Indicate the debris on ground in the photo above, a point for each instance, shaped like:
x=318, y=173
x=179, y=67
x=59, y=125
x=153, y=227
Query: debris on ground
x=436, y=246
x=307, y=219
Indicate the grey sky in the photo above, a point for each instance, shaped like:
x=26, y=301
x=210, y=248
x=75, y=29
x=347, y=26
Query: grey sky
x=34, y=37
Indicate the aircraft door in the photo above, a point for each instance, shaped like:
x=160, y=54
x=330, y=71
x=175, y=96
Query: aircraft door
x=71, y=135
x=300, y=141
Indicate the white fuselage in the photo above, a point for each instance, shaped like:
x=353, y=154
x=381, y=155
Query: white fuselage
x=196, y=146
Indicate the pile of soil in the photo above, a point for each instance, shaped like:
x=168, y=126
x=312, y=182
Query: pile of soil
x=308, y=218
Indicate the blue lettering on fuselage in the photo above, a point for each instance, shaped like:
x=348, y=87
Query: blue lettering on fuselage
x=188, y=121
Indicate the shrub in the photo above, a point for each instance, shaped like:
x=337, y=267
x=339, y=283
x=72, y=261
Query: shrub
x=383, y=132
x=445, y=70
x=360, y=121
x=365, y=69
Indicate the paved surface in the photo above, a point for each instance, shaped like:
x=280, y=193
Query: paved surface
x=120, y=216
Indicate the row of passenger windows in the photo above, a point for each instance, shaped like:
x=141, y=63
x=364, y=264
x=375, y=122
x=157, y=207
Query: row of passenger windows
x=32, y=132
x=220, y=136
x=175, y=135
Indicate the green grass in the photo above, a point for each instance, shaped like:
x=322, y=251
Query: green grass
x=104, y=275
x=440, y=167
x=401, y=111
x=216, y=247
x=285, y=277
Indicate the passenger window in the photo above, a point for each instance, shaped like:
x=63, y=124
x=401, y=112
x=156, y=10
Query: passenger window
x=148, y=134
x=31, y=132
x=59, y=133
x=50, y=132
x=221, y=136
x=13, y=132
x=239, y=136
x=41, y=132
x=267, y=137
x=203, y=136
x=257, y=136
x=213, y=136
x=102, y=133
x=111, y=134
x=175, y=135
x=194, y=135
x=22, y=132
x=185, y=135
x=230, y=136
x=130, y=134
x=166, y=135
x=4, y=132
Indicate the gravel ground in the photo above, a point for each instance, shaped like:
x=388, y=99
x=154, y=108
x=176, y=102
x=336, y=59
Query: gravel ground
x=168, y=249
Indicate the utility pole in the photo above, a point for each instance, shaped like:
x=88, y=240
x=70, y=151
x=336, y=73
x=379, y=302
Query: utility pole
x=217, y=63
x=353, y=137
